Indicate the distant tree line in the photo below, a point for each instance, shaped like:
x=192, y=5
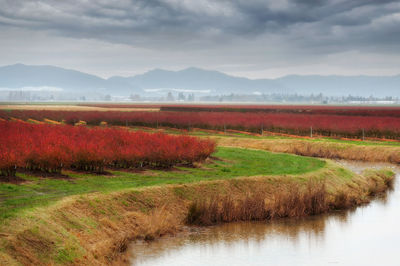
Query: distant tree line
x=295, y=98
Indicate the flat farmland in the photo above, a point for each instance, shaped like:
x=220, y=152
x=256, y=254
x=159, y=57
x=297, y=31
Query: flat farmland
x=325, y=121
x=92, y=181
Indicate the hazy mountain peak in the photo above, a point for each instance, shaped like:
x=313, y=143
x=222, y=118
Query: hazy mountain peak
x=21, y=75
x=195, y=79
x=197, y=69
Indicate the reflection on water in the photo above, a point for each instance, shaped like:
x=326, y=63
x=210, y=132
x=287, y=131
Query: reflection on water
x=368, y=235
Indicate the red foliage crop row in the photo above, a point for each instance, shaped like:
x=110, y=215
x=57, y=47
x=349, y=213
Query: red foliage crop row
x=291, y=109
x=50, y=148
x=296, y=124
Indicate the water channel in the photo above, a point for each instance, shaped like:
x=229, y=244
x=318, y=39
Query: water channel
x=367, y=235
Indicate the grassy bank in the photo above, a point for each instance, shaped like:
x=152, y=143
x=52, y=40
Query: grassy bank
x=46, y=225
x=95, y=229
x=36, y=190
x=349, y=150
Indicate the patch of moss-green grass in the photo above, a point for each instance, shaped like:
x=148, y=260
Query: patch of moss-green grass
x=228, y=163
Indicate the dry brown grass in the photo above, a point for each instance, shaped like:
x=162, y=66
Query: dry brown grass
x=291, y=200
x=318, y=149
x=96, y=229
x=72, y=108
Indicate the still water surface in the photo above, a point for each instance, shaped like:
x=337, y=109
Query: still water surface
x=368, y=235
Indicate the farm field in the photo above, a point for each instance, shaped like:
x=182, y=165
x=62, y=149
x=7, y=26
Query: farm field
x=92, y=182
x=234, y=134
x=375, y=110
x=293, y=109
x=313, y=121
x=93, y=217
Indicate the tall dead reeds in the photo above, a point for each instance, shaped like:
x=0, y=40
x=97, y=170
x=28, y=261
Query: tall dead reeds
x=290, y=200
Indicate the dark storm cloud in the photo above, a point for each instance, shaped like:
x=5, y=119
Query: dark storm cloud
x=173, y=22
x=240, y=36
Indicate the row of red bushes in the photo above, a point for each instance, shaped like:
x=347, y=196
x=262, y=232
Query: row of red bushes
x=51, y=148
x=296, y=124
x=290, y=109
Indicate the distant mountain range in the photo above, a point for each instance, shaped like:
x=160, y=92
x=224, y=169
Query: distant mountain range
x=194, y=80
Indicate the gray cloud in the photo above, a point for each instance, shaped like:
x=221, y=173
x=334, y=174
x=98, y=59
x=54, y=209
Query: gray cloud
x=234, y=32
x=125, y=21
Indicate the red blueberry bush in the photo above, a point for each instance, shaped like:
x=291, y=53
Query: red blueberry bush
x=51, y=148
x=374, y=122
x=290, y=109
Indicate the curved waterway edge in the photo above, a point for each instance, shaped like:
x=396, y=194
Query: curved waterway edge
x=99, y=228
x=366, y=235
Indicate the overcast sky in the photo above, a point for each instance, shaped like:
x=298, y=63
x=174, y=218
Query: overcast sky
x=252, y=38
